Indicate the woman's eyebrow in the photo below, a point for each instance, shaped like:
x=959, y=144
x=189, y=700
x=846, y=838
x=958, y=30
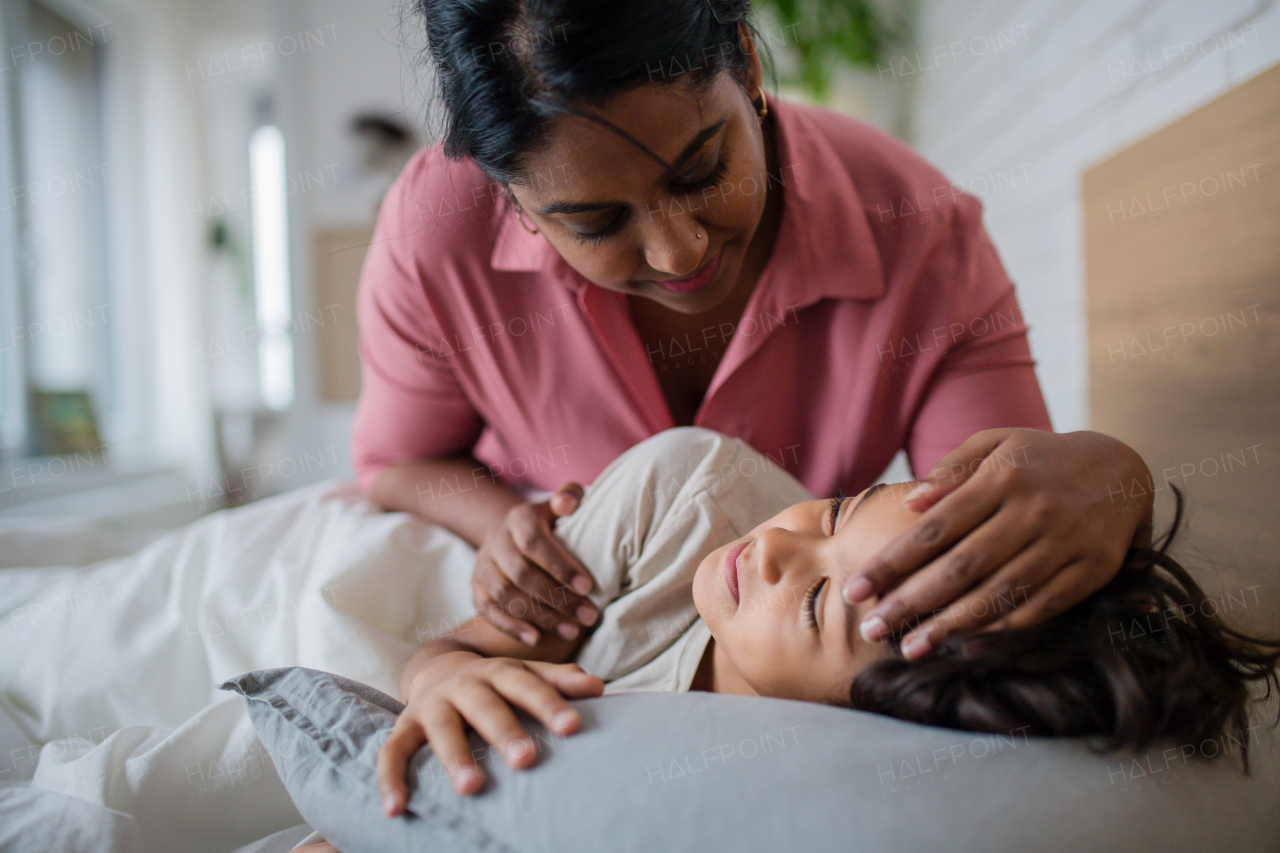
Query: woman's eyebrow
x=698, y=141
x=588, y=206
x=575, y=207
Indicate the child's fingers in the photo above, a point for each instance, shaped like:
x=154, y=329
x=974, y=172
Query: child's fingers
x=449, y=744
x=568, y=678
x=493, y=718
x=393, y=759
x=530, y=691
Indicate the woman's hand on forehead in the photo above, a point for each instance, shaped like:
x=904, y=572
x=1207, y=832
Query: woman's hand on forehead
x=1018, y=525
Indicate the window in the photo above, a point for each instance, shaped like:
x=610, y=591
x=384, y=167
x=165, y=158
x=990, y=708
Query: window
x=56, y=309
x=271, y=266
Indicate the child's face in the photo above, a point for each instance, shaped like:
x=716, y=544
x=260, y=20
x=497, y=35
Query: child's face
x=765, y=631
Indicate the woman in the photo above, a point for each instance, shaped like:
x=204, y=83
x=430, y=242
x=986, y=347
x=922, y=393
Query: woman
x=621, y=233
x=769, y=621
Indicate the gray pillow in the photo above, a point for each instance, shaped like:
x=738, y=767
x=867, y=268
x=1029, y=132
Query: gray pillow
x=712, y=772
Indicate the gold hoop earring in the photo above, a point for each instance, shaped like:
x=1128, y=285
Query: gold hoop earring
x=520, y=216
x=764, y=103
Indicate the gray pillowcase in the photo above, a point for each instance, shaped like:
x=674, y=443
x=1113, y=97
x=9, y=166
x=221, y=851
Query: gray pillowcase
x=711, y=772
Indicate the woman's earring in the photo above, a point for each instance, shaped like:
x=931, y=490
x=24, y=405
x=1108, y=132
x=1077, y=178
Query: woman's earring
x=764, y=104
x=520, y=216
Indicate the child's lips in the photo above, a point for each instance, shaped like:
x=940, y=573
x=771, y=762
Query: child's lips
x=730, y=568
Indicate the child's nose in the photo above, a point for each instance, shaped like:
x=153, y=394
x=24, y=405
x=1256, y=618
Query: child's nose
x=772, y=556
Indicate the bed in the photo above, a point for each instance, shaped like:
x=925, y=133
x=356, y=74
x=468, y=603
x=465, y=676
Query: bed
x=111, y=716
x=116, y=736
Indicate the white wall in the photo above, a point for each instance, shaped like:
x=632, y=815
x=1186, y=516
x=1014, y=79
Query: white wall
x=316, y=63
x=366, y=65
x=1071, y=83
x=370, y=67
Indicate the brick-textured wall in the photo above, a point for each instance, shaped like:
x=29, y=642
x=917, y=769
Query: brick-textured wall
x=1016, y=98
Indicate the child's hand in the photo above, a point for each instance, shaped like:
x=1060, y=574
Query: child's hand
x=459, y=689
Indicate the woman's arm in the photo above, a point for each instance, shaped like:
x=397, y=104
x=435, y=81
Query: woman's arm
x=417, y=421
x=418, y=487
x=1018, y=523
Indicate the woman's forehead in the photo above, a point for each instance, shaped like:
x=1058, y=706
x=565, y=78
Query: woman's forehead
x=580, y=153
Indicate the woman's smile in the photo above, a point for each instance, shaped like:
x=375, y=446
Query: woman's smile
x=629, y=222
x=700, y=280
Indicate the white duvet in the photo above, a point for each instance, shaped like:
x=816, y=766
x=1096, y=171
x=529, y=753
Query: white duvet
x=113, y=734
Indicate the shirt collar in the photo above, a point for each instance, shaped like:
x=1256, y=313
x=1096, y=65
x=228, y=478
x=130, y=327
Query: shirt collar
x=824, y=226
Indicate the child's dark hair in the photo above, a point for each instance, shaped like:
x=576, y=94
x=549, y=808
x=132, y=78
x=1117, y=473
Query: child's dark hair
x=506, y=68
x=1141, y=660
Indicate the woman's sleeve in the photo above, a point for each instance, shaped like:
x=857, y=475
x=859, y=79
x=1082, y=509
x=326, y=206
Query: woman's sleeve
x=987, y=378
x=412, y=405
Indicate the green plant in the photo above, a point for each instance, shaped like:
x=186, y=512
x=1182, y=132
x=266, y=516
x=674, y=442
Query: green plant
x=819, y=33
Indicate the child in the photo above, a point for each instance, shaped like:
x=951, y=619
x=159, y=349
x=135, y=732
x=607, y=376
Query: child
x=697, y=594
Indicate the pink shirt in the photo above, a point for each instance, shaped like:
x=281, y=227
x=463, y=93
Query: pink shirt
x=882, y=320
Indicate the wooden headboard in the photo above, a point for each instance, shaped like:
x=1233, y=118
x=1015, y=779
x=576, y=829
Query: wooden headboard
x=1182, y=245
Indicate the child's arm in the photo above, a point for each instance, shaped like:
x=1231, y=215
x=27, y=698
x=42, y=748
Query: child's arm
x=479, y=637
x=473, y=676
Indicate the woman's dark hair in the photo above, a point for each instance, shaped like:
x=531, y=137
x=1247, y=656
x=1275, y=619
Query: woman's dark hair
x=507, y=68
x=1143, y=659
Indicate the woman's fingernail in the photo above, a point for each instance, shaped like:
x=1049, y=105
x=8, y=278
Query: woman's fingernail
x=586, y=615
x=567, y=630
x=918, y=491
x=857, y=589
x=529, y=638
x=914, y=646
x=582, y=584
x=389, y=803
x=873, y=629
x=563, y=719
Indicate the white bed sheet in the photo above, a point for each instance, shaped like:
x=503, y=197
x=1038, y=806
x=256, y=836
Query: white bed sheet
x=113, y=734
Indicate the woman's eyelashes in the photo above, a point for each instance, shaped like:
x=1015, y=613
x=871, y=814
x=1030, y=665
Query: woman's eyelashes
x=613, y=227
x=712, y=178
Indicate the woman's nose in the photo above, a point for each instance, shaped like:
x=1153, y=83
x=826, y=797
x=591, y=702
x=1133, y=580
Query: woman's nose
x=675, y=245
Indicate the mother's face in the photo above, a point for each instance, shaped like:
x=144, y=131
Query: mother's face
x=625, y=222
x=785, y=627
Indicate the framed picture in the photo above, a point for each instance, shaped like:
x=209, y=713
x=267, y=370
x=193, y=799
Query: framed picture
x=63, y=422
